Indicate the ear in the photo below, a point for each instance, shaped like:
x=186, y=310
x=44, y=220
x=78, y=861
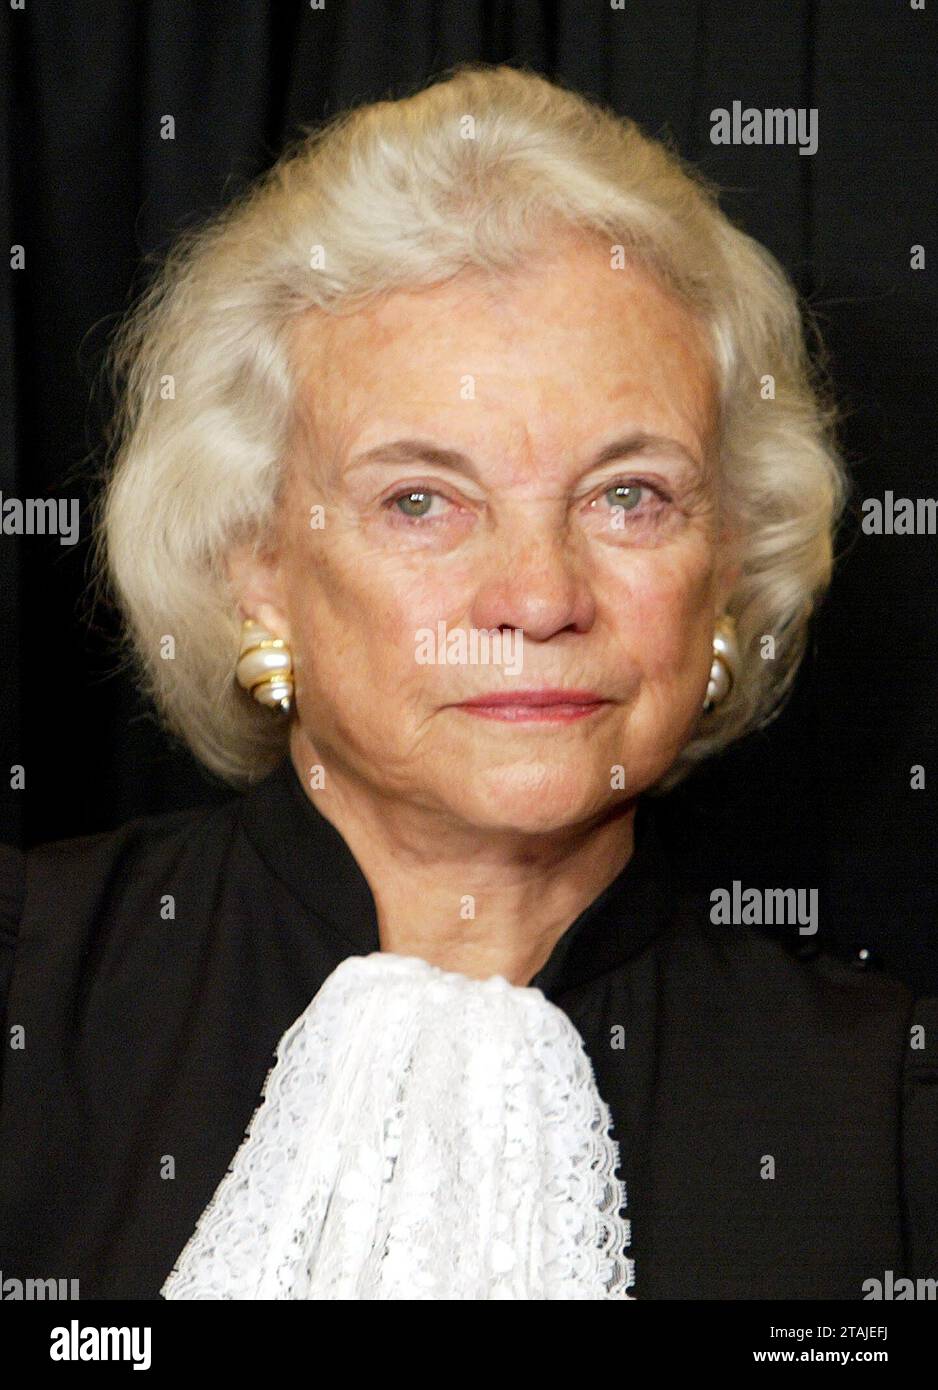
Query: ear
x=255, y=583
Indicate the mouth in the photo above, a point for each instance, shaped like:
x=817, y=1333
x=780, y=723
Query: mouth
x=535, y=706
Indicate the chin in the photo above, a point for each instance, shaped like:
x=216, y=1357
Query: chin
x=531, y=798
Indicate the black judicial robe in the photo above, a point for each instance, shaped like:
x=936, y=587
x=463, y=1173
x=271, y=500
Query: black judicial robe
x=778, y=1132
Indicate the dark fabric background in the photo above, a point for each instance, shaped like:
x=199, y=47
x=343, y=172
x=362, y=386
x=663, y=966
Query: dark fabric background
x=822, y=797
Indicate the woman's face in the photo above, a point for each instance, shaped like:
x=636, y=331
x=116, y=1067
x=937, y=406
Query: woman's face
x=531, y=410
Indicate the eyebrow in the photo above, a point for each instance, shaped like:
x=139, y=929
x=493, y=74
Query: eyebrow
x=637, y=443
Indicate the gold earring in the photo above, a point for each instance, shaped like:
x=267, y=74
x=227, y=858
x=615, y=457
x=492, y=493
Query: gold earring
x=265, y=666
x=725, y=665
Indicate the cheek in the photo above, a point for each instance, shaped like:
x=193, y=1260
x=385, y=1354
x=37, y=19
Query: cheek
x=666, y=618
x=359, y=617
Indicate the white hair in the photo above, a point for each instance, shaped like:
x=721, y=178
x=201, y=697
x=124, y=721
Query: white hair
x=472, y=171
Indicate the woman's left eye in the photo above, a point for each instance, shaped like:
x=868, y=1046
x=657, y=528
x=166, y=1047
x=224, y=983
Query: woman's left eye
x=414, y=504
x=625, y=498
x=625, y=495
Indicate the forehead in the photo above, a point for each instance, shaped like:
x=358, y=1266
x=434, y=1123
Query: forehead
x=562, y=345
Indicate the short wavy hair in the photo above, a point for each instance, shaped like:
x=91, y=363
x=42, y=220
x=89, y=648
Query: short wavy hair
x=470, y=171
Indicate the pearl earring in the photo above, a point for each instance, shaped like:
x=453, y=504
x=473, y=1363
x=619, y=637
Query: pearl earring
x=265, y=666
x=725, y=664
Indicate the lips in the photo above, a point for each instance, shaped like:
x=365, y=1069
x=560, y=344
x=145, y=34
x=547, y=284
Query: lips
x=553, y=705
x=537, y=698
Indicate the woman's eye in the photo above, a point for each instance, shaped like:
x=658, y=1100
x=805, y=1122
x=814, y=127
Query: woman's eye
x=625, y=495
x=413, y=504
x=627, y=505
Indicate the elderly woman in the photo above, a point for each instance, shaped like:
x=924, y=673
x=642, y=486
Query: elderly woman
x=472, y=485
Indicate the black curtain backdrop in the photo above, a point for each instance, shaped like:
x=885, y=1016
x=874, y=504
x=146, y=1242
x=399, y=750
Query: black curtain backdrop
x=822, y=798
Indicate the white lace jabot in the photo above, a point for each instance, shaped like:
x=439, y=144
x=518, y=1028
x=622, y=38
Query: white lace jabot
x=421, y=1135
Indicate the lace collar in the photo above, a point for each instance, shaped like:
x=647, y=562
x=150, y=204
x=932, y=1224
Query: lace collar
x=421, y=1135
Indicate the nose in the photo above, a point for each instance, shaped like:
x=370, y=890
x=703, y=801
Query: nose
x=534, y=580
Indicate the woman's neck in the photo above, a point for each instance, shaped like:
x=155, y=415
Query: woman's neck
x=466, y=898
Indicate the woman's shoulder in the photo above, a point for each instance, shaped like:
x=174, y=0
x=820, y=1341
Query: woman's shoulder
x=12, y=882
x=135, y=839
x=806, y=993
x=12, y=888
x=825, y=1023
x=56, y=877
x=808, y=973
